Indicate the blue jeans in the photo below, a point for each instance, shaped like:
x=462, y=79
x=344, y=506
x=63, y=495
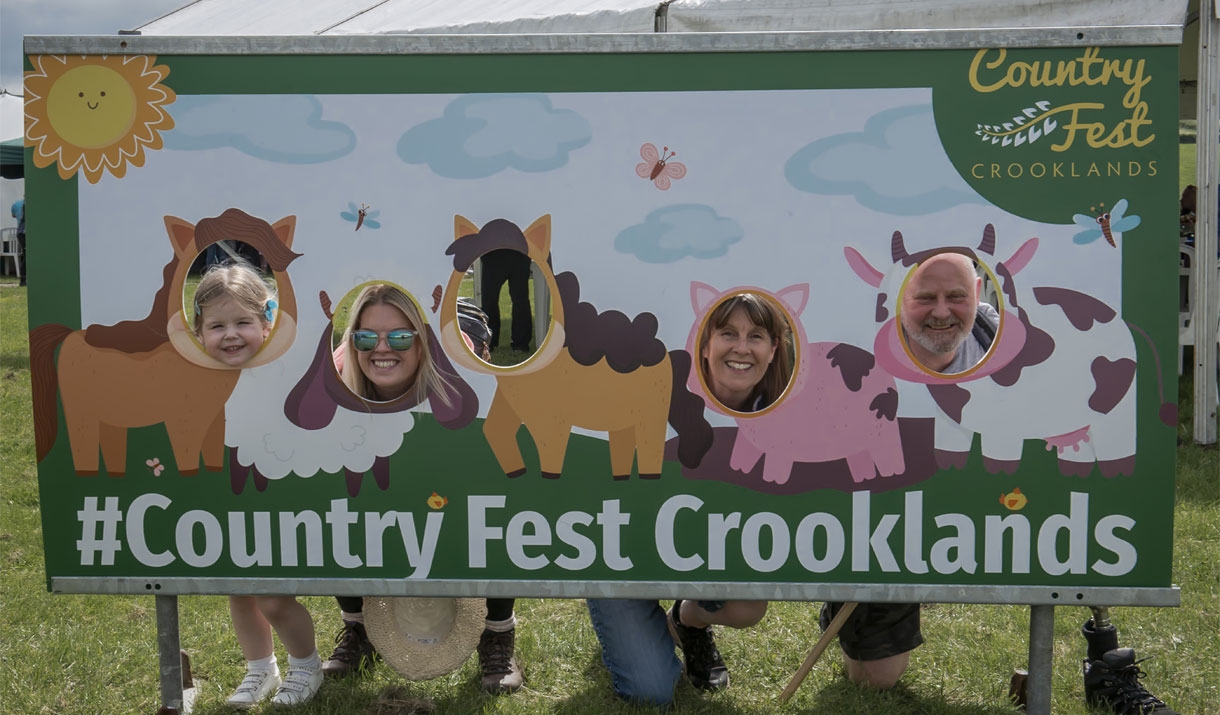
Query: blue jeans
x=636, y=648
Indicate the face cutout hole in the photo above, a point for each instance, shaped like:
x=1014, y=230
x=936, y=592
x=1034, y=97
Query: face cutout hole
x=504, y=307
x=950, y=313
x=229, y=302
x=746, y=353
x=381, y=345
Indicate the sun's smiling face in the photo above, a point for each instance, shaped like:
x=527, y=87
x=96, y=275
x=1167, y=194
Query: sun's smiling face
x=91, y=107
x=95, y=113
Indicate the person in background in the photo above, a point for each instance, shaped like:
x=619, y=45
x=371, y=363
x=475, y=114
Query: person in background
x=17, y=210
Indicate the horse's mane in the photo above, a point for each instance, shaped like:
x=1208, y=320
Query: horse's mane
x=497, y=234
x=590, y=335
x=145, y=335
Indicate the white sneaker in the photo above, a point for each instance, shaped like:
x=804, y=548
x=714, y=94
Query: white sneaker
x=299, y=686
x=254, y=689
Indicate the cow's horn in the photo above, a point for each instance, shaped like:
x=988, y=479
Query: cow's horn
x=897, y=251
x=988, y=243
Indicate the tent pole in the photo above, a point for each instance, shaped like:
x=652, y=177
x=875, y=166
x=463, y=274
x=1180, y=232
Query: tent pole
x=1207, y=278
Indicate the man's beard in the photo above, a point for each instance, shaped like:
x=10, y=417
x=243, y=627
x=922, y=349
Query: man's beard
x=939, y=341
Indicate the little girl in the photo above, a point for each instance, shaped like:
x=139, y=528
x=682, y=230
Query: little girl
x=234, y=311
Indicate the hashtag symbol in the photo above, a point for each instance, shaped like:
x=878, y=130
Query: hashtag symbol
x=90, y=519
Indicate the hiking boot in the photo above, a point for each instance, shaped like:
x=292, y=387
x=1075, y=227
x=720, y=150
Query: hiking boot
x=353, y=652
x=1114, y=683
x=497, y=663
x=299, y=686
x=704, y=667
x=256, y=687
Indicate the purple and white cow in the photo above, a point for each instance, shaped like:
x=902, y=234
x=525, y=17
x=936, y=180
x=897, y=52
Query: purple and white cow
x=839, y=405
x=1061, y=369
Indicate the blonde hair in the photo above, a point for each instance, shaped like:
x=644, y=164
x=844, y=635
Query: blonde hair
x=428, y=380
x=240, y=282
x=761, y=311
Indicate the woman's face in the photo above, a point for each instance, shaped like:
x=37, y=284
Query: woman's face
x=391, y=372
x=230, y=333
x=737, y=355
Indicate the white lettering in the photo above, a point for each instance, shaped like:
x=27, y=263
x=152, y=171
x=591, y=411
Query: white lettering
x=135, y=530
x=666, y=528
x=806, y=533
x=1106, y=539
x=1076, y=523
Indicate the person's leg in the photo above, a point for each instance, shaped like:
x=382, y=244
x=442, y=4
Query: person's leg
x=498, y=666
x=294, y=625
x=689, y=623
x=519, y=294
x=252, y=630
x=24, y=266
x=636, y=648
x=877, y=641
x=291, y=622
x=492, y=277
x=254, y=636
x=1111, y=674
x=353, y=652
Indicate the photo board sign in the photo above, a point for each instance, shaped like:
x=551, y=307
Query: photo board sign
x=619, y=449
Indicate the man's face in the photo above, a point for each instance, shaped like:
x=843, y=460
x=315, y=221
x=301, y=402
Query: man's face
x=938, y=308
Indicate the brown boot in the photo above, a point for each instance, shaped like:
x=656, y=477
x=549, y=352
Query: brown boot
x=497, y=663
x=354, y=654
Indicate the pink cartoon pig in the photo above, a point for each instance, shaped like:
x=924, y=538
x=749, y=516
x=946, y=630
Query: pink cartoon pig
x=839, y=404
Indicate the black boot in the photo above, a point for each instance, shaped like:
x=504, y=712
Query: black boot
x=1113, y=682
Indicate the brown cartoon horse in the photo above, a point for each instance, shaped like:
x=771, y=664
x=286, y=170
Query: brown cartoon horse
x=598, y=371
x=145, y=372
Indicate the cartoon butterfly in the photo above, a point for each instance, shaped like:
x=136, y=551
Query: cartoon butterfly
x=363, y=216
x=1104, y=224
x=657, y=166
x=155, y=466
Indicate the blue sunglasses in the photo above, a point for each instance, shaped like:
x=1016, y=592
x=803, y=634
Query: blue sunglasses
x=398, y=340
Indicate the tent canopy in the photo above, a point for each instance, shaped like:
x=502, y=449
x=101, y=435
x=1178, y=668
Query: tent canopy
x=12, y=159
x=375, y=17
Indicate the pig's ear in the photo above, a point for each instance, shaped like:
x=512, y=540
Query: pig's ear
x=794, y=298
x=702, y=296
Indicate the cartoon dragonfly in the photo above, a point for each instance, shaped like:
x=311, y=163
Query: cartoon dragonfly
x=363, y=216
x=1106, y=223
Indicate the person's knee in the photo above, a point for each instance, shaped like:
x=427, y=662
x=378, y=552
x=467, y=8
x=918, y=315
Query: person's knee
x=882, y=674
x=656, y=692
x=275, y=608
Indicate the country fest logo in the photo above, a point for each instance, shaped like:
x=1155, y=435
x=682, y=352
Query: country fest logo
x=1064, y=115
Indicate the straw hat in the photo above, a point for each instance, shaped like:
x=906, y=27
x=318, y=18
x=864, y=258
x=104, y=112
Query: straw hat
x=424, y=638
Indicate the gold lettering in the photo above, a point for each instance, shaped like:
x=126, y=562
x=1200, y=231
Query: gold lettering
x=1038, y=167
x=1114, y=168
x=974, y=171
x=1057, y=170
x=1093, y=170
x=1152, y=168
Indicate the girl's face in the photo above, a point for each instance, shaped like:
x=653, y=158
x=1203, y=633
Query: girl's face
x=737, y=355
x=230, y=333
x=391, y=372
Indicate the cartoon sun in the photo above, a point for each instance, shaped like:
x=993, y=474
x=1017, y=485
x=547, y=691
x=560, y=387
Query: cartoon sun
x=96, y=112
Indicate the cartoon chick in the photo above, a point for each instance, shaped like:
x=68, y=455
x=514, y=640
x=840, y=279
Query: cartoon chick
x=1015, y=501
x=436, y=501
